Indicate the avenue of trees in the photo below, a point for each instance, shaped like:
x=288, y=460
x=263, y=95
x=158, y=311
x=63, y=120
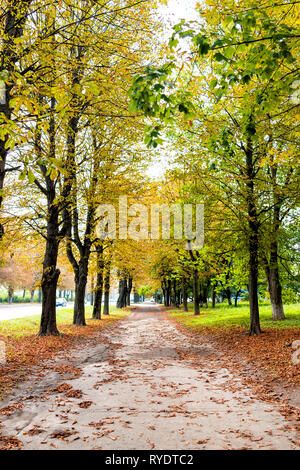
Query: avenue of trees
x=89, y=94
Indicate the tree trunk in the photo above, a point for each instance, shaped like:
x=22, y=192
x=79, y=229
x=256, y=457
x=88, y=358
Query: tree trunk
x=205, y=293
x=184, y=296
x=50, y=272
x=92, y=293
x=32, y=296
x=121, y=302
x=40, y=295
x=228, y=295
x=129, y=290
x=99, y=283
x=49, y=284
x=196, y=292
x=214, y=297
x=176, y=294
x=80, y=289
x=253, y=241
x=164, y=289
x=10, y=294
x=236, y=298
x=106, y=293
x=274, y=286
x=272, y=269
x=168, y=293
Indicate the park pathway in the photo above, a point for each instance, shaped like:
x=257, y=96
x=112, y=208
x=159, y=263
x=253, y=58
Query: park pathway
x=143, y=385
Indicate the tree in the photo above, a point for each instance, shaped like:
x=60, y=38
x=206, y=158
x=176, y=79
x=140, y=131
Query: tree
x=237, y=145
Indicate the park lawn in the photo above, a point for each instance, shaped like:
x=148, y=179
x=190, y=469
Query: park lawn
x=226, y=326
x=25, y=349
x=64, y=317
x=225, y=316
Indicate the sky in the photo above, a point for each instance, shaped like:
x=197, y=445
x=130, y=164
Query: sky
x=173, y=13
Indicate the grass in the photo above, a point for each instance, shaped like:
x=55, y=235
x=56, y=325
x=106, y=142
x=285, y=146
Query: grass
x=225, y=317
x=20, y=327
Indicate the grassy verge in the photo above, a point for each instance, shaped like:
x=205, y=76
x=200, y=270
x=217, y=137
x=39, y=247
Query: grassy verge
x=225, y=326
x=25, y=349
x=225, y=316
x=64, y=317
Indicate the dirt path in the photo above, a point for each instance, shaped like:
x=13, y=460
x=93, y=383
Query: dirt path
x=140, y=392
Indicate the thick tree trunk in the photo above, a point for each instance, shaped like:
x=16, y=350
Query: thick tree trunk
x=274, y=286
x=228, y=295
x=214, y=297
x=99, y=283
x=176, y=294
x=253, y=287
x=196, y=292
x=253, y=242
x=98, y=297
x=173, y=293
x=164, y=289
x=106, y=293
x=121, y=302
x=80, y=289
x=32, y=296
x=169, y=287
x=50, y=272
x=205, y=293
x=49, y=284
x=272, y=270
x=165, y=296
x=129, y=288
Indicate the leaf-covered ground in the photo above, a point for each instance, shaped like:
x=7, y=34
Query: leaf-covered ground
x=147, y=382
x=25, y=349
x=227, y=328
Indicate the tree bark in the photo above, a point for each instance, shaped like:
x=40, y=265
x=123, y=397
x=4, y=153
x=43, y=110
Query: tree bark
x=214, y=297
x=253, y=241
x=274, y=286
x=50, y=272
x=92, y=293
x=121, y=302
x=106, y=292
x=228, y=295
x=81, y=277
x=10, y=294
x=99, y=283
x=184, y=296
x=236, y=298
x=196, y=292
x=272, y=268
x=32, y=296
x=168, y=293
x=129, y=288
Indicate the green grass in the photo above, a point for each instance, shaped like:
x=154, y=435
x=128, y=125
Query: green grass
x=225, y=316
x=30, y=325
